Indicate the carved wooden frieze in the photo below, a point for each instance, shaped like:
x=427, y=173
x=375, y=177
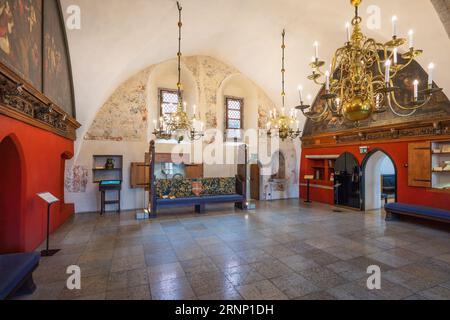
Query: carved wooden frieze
x=21, y=101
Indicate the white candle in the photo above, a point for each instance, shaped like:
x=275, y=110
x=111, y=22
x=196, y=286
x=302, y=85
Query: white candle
x=316, y=47
x=309, y=97
x=387, y=78
x=185, y=106
x=268, y=125
x=298, y=125
x=416, y=90
x=411, y=39
x=430, y=74
x=155, y=124
x=395, y=55
x=194, y=107
x=394, y=26
x=300, y=92
x=327, y=85
x=347, y=27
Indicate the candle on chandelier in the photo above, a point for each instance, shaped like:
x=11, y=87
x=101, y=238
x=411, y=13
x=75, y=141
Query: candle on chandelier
x=395, y=56
x=316, y=48
x=411, y=39
x=327, y=84
x=309, y=97
x=430, y=74
x=194, y=107
x=416, y=90
x=347, y=27
x=394, y=26
x=155, y=124
x=298, y=125
x=185, y=106
x=387, y=78
x=300, y=93
x=268, y=125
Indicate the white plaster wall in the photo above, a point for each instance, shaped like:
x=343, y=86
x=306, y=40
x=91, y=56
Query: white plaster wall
x=387, y=167
x=374, y=169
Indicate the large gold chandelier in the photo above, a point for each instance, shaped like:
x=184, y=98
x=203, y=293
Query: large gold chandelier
x=361, y=77
x=281, y=124
x=178, y=125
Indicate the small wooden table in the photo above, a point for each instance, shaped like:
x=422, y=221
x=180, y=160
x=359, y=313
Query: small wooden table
x=109, y=185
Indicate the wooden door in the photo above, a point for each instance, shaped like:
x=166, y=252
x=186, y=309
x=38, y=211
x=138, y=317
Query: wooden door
x=419, y=164
x=255, y=182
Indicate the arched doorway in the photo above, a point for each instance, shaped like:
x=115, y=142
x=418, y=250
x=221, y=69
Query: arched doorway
x=10, y=196
x=379, y=180
x=347, y=181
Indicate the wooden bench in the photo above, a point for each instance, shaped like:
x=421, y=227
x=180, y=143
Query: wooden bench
x=238, y=196
x=16, y=274
x=399, y=209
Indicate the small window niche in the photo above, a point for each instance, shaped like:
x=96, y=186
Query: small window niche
x=107, y=167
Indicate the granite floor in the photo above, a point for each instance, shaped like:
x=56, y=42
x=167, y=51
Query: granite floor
x=282, y=250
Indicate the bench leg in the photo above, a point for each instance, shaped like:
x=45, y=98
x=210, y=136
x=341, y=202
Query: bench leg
x=200, y=208
x=240, y=205
x=391, y=216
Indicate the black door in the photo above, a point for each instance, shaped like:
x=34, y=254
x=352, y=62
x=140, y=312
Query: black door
x=347, y=182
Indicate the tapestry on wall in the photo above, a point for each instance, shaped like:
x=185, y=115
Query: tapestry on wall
x=57, y=74
x=20, y=38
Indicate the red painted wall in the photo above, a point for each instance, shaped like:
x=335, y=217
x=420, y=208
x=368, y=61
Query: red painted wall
x=41, y=155
x=399, y=153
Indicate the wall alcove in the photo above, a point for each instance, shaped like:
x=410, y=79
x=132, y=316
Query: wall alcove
x=11, y=175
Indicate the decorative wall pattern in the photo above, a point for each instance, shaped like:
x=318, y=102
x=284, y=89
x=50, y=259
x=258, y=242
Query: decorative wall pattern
x=124, y=116
x=76, y=179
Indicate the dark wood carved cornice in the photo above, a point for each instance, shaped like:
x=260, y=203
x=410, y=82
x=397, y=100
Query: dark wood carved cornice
x=21, y=101
x=411, y=131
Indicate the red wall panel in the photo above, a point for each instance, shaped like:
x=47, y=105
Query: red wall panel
x=41, y=155
x=398, y=151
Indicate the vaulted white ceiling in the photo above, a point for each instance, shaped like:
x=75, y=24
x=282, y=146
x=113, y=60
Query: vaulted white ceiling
x=118, y=38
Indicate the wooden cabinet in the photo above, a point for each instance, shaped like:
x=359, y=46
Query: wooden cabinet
x=194, y=171
x=419, y=164
x=140, y=175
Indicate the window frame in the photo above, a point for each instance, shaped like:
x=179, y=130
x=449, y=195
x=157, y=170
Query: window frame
x=160, y=98
x=227, y=109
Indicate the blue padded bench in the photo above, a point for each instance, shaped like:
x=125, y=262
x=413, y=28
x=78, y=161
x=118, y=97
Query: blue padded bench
x=199, y=202
x=394, y=209
x=16, y=274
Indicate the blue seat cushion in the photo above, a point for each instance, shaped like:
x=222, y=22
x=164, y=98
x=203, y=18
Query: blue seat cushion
x=418, y=210
x=14, y=268
x=199, y=200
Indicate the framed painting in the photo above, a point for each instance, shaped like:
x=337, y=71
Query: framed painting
x=21, y=38
x=57, y=74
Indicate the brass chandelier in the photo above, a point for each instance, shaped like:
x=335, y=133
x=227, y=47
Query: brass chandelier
x=178, y=125
x=360, y=81
x=281, y=124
